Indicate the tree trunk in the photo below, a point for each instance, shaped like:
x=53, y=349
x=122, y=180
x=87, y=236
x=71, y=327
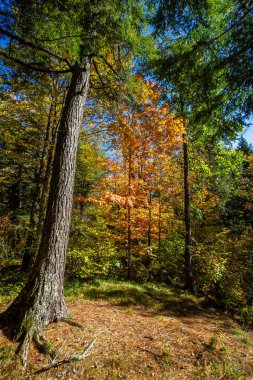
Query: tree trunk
x=42, y=301
x=159, y=221
x=187, y=220
x=29, y=250
x=46, y=182
x=149, y=218
x=129, y=218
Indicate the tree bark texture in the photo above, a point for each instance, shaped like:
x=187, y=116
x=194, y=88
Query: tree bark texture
x=42, y=301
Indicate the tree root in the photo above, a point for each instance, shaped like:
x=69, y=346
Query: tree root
x=71, y=322
x=44, y=346
x=39, y=342
x=69, y=359
x=23, y=348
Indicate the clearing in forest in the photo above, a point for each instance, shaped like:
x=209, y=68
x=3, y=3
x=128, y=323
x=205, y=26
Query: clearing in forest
x=140, y=332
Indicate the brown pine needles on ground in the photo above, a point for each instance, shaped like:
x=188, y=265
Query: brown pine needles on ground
x=134, y=342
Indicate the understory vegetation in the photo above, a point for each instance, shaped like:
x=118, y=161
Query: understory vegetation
x=99, y=244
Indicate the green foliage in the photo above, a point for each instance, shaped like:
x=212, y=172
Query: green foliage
x=223, y=270
x=92, y=251
x=170, y=259
x=12, y=281
x=208, y=60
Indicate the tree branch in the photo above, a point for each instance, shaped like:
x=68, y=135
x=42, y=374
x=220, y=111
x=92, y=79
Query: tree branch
x=57, y=38
x=32, y=67
x=212, y=40
x=101, y=81
x=34, y=46
x=111, y=67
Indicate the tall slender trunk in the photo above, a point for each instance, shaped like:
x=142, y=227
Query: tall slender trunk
x=46, y=182
x=187, y=220
x=29, y=250
x=42, y=301
x=129, y=218
x=149, y=218
x=159, y=220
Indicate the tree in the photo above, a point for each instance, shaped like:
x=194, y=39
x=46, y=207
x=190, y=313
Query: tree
x=203, y=65
x=210, y=44
x=34, y=33
x=29, y=119
x=145, y=135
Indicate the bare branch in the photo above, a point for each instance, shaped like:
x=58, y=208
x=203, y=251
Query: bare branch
x=72, y=358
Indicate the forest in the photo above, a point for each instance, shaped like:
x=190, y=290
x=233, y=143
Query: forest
x=126, y=189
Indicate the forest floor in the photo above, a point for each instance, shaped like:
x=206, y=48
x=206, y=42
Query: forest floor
x=140, y=332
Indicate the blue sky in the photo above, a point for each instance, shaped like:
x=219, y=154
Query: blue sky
x=249, y=134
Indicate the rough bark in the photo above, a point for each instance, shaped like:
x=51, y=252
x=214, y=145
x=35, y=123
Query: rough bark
x=187, y=221
x=42, y=301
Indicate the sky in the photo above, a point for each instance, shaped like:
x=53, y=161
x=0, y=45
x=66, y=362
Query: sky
x=249, y=134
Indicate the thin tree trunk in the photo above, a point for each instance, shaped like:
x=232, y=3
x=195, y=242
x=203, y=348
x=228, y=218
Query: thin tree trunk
x=42, y=301
x=149, y=218
x=46, y=181
x=159, y=220
x=129, y=218
x=187, y=221
x=30, y=240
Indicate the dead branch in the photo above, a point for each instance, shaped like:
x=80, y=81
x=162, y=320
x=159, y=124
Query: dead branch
x=69, y=359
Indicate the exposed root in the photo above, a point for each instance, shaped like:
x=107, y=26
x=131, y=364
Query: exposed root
x=71, y=322
x=43, y=346
x=69, y=359
x=23, y=348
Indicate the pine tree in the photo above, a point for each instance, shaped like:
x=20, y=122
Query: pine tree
x=66, y=39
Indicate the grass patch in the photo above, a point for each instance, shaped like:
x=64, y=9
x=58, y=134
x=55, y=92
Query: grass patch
x=129, y=294
x=12, y=281
x=123, y=293
x=6, y=353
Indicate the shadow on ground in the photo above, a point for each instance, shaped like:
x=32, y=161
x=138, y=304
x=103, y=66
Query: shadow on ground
x=158, y=297
x=153, y=296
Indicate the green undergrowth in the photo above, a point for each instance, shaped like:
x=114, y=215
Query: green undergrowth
x=124, y=293
x=11, y=282
x=127, y=293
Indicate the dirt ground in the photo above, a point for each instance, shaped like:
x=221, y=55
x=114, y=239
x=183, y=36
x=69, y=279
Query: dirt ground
x=139, y=343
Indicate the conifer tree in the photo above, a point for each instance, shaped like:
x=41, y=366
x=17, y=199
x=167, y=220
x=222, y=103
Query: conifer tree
x=67, y=39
